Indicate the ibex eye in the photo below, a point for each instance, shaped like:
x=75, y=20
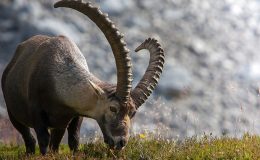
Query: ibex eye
x=113, y=109
x=132, y=114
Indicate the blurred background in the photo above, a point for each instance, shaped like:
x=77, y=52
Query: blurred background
x=211, y=79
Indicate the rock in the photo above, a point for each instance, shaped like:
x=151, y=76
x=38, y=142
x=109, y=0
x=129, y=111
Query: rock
x=175, y=81
x=53, y=26
x=115, y=7
x=138, y=22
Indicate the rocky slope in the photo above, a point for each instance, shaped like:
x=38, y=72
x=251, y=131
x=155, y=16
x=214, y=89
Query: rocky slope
x=211, y=79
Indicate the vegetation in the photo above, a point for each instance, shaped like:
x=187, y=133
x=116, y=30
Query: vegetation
x=149, y=147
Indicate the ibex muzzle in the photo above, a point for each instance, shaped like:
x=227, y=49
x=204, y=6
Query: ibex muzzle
x=47, y=86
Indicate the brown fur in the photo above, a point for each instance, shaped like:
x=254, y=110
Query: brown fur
x=47, y=85
x=40, y=66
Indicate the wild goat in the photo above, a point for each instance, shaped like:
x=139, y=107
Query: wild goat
x=48, y=86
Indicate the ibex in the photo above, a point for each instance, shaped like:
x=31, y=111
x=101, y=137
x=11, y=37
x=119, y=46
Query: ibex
x=47, y=86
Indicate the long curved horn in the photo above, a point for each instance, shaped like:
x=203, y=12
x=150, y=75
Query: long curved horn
x=115, y=39
x=153, y=72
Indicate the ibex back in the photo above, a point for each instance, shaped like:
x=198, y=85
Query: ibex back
x=47, y=86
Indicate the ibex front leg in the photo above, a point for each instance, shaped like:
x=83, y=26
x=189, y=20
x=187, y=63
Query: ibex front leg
x=40, y=120
x=56, y=136
x=74, y=133
x=43, y=137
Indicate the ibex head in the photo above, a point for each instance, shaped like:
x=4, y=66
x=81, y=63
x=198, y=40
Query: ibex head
x=116, y=105
x=113, y=117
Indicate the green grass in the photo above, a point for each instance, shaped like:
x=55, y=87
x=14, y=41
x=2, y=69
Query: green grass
x=149, y=147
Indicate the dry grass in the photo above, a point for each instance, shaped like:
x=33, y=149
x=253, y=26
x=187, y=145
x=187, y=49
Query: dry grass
x=150, y=147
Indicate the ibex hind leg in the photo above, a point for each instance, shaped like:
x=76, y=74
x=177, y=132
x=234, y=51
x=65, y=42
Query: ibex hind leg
x=26, y=134
x=74, y=133
x=56, y=136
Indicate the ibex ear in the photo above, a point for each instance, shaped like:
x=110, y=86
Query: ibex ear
x=99, y=91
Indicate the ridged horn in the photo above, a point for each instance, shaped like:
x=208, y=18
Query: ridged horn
x=115, y=39
x=153, y=72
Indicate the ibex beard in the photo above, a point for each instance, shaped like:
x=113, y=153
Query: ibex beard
x=47, y=86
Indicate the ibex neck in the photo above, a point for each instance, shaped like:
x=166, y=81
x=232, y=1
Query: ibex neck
x=76, y=92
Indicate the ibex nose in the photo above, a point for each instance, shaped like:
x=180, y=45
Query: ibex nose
x=121, y=144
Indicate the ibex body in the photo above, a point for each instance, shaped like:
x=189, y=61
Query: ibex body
x=47, y=85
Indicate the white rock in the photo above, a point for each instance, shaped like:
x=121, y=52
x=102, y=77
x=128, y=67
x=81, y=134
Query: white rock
x=174, y=79
x=116, y=6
